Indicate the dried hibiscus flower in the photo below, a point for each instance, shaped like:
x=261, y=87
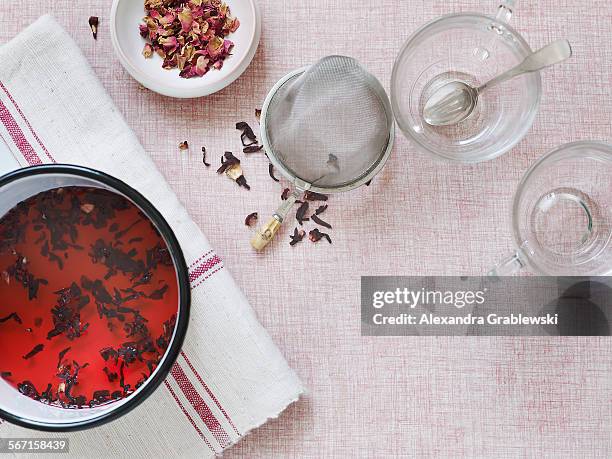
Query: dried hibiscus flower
x=321, y=209
x=297, y=236
x=204, y=157
x=183, y=145
x=247, y=134
x=230, y=165
x=189, y=34
x=312, y=196
x=251, y=219
x=315, y=236
x=300, y=214
x=319, y=221
x=285, y=194
x=93, y=25
x=271, y=172
x=258, y=115
x=252, y=148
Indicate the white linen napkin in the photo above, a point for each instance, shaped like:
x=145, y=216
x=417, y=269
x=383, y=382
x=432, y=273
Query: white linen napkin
x=229, y=378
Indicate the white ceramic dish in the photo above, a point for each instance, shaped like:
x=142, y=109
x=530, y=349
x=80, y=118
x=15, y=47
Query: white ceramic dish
x=125, y=17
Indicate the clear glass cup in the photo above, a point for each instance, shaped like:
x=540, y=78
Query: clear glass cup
x=471, y=48
x=562, y=214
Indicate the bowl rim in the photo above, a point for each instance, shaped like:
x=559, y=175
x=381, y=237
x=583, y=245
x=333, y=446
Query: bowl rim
x=187, y=93
x=184, y=303
x=408, y=133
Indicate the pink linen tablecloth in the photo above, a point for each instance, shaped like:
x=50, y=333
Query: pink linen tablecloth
x=383, y=397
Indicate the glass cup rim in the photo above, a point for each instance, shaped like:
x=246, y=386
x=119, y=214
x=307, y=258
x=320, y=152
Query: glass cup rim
x=183, y=303
x=405, y=128
x=523, y=184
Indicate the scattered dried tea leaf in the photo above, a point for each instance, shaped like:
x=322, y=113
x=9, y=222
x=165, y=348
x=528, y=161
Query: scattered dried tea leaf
x=61, y=356
x=297, y=236
x=183, y=145
x=321, y=209
x=319, y=221
x=258, y=115
x=271, y=172
x=247, y=134
x=285, y=194
x=252, y=148
x=34, y=351
x=315, y=236
x=12, y=315
x=87, y=208
x=300, y=214
x=189, y=35
x=312, y=196
x=204, y=157
x=251, y=219
x=93, y=25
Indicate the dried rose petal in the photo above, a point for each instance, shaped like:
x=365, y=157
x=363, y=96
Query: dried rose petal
x=251, y=219
x=147, y=52
x=190, y=35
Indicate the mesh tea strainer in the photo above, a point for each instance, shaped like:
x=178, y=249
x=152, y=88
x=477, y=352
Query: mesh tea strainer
x=327, y=128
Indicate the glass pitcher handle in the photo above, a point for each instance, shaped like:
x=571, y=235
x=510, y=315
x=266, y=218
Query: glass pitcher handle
x=508, y=266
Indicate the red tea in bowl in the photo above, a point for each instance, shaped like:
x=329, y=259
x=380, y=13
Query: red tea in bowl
x=88, y=297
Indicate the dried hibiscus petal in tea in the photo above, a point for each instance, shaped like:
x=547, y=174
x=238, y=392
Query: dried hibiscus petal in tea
x=35, y=350
x=315, y=236
x=189, y=34
x=251, y=219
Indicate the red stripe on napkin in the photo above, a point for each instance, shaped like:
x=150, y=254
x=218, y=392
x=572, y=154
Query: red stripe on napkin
x=208, y=391
x=18, y=138
x=199, y=405
x=26, y=122
x=188, y=416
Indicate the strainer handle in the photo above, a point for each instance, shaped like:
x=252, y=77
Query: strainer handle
x=504, y=11
x=266, y=233
x=508, y=266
